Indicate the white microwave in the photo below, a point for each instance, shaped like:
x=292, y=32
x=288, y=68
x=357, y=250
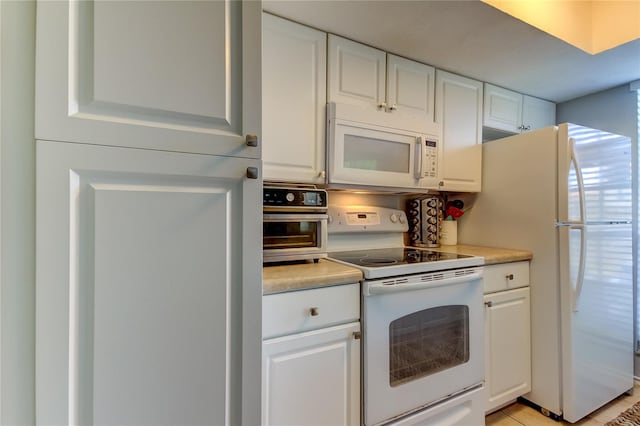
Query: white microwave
x=373, y=149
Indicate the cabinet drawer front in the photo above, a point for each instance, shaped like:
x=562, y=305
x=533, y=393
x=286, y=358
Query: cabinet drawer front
x=288, y=313
x=505, y=276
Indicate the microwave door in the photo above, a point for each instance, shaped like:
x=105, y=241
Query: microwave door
x=375, y=156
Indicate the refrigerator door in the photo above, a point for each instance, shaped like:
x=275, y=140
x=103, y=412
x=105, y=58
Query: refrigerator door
x=594, y=176
x=597, y=316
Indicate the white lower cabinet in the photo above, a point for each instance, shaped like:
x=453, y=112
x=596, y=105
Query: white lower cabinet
x=312, y=377
x=508, y=341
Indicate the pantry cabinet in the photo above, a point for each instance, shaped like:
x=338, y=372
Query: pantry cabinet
x=362, y=75
x=148, y=284
x=512, y=112
x=311, y=357
x=294, y=101
x=507, y=333
x=171, y=75
x=459, y=115
x=148, y=177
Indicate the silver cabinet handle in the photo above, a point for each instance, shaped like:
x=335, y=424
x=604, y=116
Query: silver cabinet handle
x=488, y=303
x=357, y=335
x=251, y=140
x=393, y=107
x=510, y=277
x=382, y=105
x=314, y=312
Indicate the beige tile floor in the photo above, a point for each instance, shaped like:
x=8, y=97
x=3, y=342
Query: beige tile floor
x=518, y=414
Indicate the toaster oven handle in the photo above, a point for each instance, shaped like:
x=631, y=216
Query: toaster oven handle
x=417, y=164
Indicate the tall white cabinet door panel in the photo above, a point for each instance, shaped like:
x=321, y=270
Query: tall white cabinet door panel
x=312, y=378
x=508, y=346
x=168, y=75
x=294, y=84
x=356, y=73
x=537, y=113
x=148, y=287
x=459, y=113
x=410, y=88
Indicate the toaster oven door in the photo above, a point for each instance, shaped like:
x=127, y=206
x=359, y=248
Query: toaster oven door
x=290, y=237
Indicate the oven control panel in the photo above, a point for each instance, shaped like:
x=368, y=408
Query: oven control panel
x=345, y=219
x=287, y=199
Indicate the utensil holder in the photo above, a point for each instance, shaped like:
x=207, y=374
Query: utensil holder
x=448, y=232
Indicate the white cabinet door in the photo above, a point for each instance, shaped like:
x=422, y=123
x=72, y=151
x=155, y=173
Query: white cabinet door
x=294, y=101
x=459, y=113
x=312, y=378
x=508, y=346
x=148, y=287
x=356, y=73
x=537, y=113
x=169, y=75
x=410, y=89
x=502, y=109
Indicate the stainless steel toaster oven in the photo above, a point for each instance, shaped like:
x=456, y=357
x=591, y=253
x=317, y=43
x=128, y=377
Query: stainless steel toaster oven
x=294, y=223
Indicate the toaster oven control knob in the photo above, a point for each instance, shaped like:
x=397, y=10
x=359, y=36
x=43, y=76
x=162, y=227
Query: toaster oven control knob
x=290, y=197
x=393, y=217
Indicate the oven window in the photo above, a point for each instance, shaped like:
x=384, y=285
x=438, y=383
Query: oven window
x=298, y=234
x=428, y=341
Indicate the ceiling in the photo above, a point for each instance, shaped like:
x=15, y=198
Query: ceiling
x=473, y=39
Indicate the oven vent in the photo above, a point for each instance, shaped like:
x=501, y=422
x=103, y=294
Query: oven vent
x=438, y=276
x=395, y=281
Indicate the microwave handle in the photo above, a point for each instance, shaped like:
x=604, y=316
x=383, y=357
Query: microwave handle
x=417, y=168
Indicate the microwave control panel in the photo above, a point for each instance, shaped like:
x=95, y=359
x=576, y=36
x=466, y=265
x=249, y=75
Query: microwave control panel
x=294, y=199
x=431, y=158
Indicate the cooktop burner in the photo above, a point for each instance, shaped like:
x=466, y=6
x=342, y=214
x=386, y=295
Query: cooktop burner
x=394, y=261
x=393, y=256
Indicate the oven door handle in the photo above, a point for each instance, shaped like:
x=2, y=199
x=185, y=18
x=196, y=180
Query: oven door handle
x=373, y=289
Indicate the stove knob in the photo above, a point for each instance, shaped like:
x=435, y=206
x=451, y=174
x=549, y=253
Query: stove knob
x=432, y=220
x=431, y=212
x=432, y=237
x=432, y=203
x=415, y=236
x=414, y=213
x=290, y=197
x=432, y=228
x=394, y=218
x=414, y=204
x=414, y=220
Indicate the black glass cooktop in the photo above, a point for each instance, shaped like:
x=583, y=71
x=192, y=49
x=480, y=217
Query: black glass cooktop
x=393, y=256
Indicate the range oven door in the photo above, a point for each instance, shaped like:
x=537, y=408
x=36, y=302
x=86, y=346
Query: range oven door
x=423, y=341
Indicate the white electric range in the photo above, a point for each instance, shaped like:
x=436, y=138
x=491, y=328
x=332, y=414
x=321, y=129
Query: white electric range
x=422, y=321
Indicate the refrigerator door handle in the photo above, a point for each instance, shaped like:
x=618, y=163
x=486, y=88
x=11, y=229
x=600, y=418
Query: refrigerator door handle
x=580, y=181
x=577, y=289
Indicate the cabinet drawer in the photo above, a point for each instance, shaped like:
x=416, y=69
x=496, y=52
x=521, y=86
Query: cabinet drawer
x=288, y=313
x=505, y=276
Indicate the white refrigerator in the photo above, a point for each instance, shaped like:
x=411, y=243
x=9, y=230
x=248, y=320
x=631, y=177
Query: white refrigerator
x=564, y=192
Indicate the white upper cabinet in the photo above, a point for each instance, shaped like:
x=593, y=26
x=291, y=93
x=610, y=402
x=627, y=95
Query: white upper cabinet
x=364, y=76
x=537, y=113
x=513, y=112
x=357, y=73
x=293, y=101
x=459, y=115
x=169, y=75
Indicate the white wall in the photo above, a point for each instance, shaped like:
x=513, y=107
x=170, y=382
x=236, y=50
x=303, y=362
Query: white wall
x=614, y=110
x=17, y=212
